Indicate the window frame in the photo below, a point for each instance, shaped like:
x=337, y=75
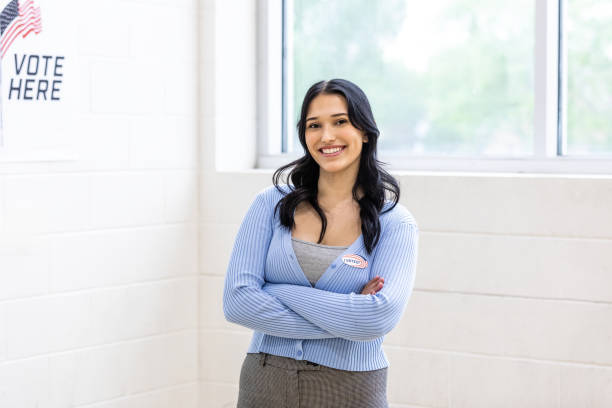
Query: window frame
x=550, y=63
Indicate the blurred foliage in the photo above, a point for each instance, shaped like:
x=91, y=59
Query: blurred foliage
x=589, y=81
x=475, y=95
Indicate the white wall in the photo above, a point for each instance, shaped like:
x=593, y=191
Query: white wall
x=512, y=303
x=101, y=258
x=513, y=298
x=98, y=256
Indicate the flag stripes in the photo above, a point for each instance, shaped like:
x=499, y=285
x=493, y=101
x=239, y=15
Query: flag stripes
x=29, y=20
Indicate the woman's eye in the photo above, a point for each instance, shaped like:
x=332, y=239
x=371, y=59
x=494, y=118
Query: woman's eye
x=316, y=125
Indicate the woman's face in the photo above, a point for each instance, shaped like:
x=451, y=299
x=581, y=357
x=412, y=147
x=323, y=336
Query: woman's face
x=332, y=140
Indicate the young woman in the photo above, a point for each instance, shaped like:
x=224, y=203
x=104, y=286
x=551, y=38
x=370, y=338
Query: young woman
x=322, y=267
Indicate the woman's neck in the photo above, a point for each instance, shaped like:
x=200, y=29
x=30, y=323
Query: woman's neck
x=336, y=189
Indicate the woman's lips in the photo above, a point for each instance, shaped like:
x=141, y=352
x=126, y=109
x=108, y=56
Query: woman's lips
x=332, y=154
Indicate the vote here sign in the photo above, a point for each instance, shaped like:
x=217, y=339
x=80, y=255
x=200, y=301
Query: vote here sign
x=38, y=75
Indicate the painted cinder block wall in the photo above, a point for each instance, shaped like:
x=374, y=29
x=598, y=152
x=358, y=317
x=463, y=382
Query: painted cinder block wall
x=99, y=255
x=513, y=299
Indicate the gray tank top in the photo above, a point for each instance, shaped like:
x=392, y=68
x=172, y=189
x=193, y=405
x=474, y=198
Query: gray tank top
x=314, y=259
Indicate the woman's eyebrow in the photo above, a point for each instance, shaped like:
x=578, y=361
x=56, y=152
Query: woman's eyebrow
x=316, y=117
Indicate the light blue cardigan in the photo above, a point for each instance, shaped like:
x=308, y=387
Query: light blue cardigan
x=331, y=324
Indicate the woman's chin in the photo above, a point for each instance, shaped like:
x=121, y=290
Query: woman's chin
x=338, y=166
x=331, y=169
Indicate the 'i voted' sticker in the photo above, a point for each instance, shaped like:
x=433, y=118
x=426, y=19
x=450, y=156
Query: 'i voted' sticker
x=355, y=260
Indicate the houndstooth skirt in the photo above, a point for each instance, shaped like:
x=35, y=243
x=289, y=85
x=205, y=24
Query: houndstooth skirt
x=269, y=381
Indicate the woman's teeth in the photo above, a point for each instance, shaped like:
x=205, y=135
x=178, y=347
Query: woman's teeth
x=334, y=150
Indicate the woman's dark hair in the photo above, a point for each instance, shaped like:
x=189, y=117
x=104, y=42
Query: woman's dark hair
x=304, y=175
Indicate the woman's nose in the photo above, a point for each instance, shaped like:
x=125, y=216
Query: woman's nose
x=328, y=134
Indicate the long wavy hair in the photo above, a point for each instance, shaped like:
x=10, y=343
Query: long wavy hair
x=372, y=178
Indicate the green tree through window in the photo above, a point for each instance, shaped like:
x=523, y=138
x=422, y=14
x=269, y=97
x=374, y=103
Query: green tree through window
x=454, y=77
x=589, y=81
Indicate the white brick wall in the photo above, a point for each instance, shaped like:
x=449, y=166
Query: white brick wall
x=513, y=299
x=111, y=274
x=99, y=256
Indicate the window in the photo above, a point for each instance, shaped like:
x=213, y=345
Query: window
x=588, y=29
x=454, y=84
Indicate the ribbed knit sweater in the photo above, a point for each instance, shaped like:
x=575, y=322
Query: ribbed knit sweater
x=331, y=323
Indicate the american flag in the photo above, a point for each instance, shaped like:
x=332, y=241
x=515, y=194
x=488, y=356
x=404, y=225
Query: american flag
x=18, y=19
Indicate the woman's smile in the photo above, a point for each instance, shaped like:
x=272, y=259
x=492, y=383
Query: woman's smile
x=331, y=151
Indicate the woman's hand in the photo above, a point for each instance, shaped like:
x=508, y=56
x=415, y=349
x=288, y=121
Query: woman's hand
x=373, y=286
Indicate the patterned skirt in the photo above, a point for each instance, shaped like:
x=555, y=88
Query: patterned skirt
x=269, y=381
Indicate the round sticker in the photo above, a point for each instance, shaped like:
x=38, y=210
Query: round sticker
x=355, y=261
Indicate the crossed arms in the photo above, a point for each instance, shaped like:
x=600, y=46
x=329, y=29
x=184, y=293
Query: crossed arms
x=300, y=312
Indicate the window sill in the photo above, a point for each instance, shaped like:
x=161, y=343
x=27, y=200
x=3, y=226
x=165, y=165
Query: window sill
x=509, y=166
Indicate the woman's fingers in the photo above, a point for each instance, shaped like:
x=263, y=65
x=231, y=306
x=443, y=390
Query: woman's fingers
x=378, y=284
x=378, y=287
x=368, y=288
x=373, y=283
x=373, y=286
